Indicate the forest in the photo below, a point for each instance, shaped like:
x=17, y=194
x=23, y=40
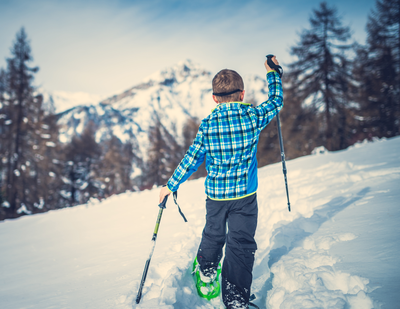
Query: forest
x=336, y=93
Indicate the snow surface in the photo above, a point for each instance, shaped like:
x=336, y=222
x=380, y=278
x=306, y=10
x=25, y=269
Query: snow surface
x=338, y=248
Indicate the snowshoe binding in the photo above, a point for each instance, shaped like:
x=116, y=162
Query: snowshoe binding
x=207, y=287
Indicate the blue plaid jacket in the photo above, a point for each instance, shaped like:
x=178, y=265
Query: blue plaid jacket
x=228, y=139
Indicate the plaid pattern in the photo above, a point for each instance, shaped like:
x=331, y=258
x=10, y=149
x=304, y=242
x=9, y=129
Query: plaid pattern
x=228, y=139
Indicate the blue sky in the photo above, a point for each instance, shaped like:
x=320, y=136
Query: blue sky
x=104, y=47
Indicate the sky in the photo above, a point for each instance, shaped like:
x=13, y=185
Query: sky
x=105, y=47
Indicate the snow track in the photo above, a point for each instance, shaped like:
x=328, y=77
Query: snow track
x=338, y=247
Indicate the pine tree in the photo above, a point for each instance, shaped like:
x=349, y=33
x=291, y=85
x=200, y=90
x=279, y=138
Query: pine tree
x=115, y=167
x=156, y=170
x=300, y=126
x=190, y=129
x=318, y=75
x=47, y=165
x=378, y=72
x=82, y=156
x=3, y=135
x=268, y=146
x=22, y=135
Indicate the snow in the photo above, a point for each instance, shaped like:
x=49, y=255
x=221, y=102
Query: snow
x=80, y=116
x=64, y=100
x=23, y=209
x=338, y=248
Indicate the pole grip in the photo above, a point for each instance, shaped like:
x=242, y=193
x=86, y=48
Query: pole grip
x=274, y=66
x=164, y=202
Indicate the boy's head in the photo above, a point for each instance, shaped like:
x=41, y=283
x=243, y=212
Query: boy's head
x=227, y=86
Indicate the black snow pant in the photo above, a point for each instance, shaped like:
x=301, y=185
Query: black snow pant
x=233, y=223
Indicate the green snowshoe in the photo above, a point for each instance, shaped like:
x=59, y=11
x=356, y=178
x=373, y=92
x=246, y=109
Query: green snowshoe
x=207, y=290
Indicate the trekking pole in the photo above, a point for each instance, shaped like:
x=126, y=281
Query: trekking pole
x=283, y=158
x=279, y=70
x=146, y=266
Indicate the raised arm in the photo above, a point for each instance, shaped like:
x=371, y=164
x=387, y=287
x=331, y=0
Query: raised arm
x=267, y=110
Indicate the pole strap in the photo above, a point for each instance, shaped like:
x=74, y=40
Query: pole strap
x=175, y=196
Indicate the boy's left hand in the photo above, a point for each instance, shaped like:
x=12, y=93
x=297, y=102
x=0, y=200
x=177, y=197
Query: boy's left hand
x=274, y=61
x=163, y=193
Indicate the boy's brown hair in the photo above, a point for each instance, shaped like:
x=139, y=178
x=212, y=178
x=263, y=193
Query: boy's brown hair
x=226, y=81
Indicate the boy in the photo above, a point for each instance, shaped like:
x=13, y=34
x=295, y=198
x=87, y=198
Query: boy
x=229, y=137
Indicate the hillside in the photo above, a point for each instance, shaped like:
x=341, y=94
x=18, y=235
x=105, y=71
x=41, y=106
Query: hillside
x=338, y=248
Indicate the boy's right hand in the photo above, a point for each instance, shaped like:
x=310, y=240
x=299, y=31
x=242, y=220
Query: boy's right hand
x=163, y=193
x=267, y=66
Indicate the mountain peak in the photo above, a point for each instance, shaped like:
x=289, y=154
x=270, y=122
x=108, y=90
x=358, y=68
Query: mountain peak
x=187, y=66
x=177, y=73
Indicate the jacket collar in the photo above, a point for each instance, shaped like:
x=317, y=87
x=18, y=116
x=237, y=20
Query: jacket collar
x=229, y=105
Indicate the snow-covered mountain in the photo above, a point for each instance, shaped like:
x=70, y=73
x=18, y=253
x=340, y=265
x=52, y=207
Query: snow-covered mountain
x=173, y=95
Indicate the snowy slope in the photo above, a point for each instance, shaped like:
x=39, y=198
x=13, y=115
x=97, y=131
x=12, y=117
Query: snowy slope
x=338, y=248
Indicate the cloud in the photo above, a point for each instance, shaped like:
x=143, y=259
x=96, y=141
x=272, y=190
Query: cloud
x=107, y=46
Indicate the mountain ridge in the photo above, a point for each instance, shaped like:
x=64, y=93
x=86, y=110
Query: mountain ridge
x=172, y=96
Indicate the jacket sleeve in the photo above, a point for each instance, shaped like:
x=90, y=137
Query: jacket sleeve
x=267, y=110
x=193, y=158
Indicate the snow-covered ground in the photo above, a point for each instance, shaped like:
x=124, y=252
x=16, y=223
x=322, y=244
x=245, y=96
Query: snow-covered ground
x=338, y=248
